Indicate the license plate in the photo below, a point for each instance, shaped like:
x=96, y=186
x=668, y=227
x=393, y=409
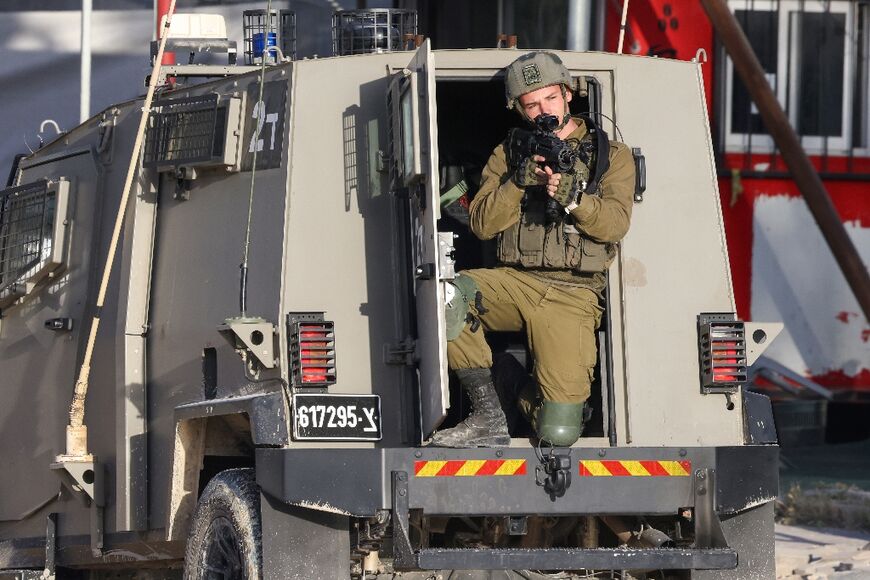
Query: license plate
x=337, y=417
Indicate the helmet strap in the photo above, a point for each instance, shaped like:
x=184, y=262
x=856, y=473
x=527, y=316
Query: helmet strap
x=567, y=116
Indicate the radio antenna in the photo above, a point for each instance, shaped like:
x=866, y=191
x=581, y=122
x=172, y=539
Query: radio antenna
x=243, y=275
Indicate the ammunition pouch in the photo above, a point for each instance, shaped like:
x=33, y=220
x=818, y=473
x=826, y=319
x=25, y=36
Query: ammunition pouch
x=532, y=243
x=538, y=241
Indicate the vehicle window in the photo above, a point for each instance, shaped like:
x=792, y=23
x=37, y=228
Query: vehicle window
x=30, y=238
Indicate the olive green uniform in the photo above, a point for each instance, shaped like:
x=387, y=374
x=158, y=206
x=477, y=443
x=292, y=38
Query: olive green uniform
x=556, y=299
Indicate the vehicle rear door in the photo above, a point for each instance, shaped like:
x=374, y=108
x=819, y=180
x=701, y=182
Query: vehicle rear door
x=414, y=176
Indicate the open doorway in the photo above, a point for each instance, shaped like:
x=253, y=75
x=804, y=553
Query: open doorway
x=472, y=121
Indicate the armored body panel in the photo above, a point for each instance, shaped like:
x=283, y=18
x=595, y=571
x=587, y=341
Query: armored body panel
x=342, y=160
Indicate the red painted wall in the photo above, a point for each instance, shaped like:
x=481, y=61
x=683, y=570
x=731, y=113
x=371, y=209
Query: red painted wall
x=663, y=28
x=670, y=29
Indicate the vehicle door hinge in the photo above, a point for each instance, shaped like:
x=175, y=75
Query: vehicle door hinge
x=382, y=162
x=403, y=353
x=446, y=256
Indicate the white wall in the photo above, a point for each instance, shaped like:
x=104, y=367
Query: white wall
x=796, y=280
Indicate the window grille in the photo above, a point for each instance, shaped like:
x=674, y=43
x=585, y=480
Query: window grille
x=27, y=234
x=372, y=31
x=815, y=57
x=184, y=132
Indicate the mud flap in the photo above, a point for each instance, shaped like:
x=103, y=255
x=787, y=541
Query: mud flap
x=301, y=544
x=751, y=534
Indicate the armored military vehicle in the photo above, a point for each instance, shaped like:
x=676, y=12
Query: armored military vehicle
x=277, y=428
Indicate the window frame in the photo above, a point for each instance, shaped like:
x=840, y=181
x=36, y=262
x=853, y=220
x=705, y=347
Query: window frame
x=787, y=80
x=27, y=280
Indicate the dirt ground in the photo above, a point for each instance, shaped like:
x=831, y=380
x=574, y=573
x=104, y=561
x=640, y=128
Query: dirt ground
x=807, y=553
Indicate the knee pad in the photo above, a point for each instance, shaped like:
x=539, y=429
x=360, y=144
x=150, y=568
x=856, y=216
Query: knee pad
x=559, y=424
x=464, y=290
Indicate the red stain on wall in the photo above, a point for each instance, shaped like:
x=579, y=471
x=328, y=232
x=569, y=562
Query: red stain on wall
x=844, y=316
x=840, y=380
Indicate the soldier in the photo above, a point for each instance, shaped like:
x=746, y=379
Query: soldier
x=551, y=277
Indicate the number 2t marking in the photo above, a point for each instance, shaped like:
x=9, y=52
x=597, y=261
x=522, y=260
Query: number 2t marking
x=259, y=113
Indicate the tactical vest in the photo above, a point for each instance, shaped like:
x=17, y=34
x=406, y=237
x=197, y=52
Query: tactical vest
x=535, y=244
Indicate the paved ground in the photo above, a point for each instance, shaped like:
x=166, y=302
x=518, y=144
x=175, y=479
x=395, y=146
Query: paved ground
x=805, y=553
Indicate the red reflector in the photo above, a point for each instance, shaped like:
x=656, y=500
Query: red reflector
x=722, y=347
x=316, y=346
x=312, y=350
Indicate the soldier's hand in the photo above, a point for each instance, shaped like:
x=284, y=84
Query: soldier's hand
x=559, y=187
x=526, y=173
x=546, y=176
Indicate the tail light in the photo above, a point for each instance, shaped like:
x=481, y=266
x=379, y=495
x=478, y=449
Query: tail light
x=722, y=350
x=311, y=342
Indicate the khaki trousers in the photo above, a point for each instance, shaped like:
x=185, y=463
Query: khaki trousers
x=559, y=321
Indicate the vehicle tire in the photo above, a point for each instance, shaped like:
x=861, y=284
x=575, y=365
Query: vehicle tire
x=224, y=541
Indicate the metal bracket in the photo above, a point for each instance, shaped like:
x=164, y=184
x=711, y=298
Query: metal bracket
x=759, y=335
x=50, y=546
x=83, y=477
x=382, y=162
x=404, y=557
x=517, y=525
x=425, y=271
x=708, y=530
x=446, y=256
x=184, y=178
x=401, y=354
x=254, y=335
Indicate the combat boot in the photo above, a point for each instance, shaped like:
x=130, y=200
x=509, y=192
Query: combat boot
x=486, y=425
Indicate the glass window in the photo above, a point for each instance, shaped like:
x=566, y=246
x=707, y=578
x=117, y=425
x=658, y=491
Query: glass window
x=761, y=29
x=26, y=231
x=808, y=51
x=407, y=133
x=820, y=41
x=861, y=94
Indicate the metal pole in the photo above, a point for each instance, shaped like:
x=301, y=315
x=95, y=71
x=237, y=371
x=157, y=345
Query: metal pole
x=161, y=8
x=622, y=26
x=77, y=431
x=807, y=180
x=85, y=91
x=579, y=21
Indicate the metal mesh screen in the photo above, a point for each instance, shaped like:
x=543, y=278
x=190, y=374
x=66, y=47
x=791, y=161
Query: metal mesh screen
x=373, y=30
x=288, y=34
x=26, y=225
x=181, y=131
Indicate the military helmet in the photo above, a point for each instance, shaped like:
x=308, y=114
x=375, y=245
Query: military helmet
x=533, y=71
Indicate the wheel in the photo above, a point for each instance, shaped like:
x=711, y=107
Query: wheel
x=224, y=541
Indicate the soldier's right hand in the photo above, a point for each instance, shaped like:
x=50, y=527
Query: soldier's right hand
x=547, y=177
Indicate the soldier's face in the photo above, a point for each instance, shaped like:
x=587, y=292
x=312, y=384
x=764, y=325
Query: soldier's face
x=546, y=101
